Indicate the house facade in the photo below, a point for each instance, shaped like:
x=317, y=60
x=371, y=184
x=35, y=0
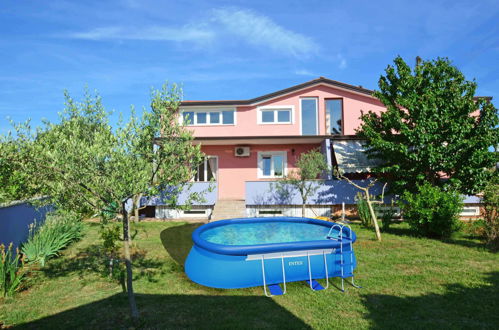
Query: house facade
x=251, y=143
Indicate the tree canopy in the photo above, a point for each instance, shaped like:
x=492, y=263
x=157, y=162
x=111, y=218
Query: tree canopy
x=434, y=129
x=84, y=165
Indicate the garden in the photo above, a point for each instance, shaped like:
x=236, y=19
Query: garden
x=407, y=282
x=89, y=266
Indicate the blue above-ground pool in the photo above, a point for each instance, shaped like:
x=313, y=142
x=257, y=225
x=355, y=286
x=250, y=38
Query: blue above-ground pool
x=248, y=252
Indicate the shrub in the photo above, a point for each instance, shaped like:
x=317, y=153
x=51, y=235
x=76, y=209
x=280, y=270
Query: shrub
x=363, y=211
x=57, y=232
x=476, y=228
x=431, y=211
x=491, y=212
x=387, y=215
x=110, y=235
x=12, y=271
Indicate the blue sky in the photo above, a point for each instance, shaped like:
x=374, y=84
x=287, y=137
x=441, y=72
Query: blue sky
x=226, y=49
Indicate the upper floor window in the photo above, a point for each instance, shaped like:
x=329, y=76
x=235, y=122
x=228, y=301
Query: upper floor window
x=334, y=116
x=212, y=117
x=275, y=115
x=272, y=164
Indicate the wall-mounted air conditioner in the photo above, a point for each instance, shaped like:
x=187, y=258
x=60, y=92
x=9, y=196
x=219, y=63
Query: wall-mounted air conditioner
x=242, y=151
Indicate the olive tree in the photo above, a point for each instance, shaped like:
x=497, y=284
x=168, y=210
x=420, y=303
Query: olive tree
x=85, y=165
x=309, y=166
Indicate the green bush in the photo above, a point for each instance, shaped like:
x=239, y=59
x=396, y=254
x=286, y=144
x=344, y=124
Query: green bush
x=431, y=211
x=475, y=228
x=387, y=215
x=57, y=232
x=491, y=207
x=363, y=211
x=12, y=271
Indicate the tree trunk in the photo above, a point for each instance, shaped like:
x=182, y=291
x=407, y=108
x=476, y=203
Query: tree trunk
x=373, y=217
x=128, y=263
x=136, y=206
x=303, y=210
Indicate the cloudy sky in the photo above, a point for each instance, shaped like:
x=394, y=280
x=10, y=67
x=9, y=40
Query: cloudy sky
x=226, y=49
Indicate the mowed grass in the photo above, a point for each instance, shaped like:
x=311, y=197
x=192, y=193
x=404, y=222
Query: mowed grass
x=408, y=282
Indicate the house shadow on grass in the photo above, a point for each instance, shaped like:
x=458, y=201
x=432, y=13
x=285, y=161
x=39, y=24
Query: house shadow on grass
x=177, y=241
x=175, y=312
x=459, y=307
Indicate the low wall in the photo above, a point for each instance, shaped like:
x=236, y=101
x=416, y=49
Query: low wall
x=15, y=220
x=330, y=192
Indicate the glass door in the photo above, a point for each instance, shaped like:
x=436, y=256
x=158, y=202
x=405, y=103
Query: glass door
x=309, y=116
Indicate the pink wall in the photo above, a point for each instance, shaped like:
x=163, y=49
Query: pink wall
x=234, y=171
x=247, y=124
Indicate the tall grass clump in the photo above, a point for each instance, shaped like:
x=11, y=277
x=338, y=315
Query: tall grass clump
x=46, y=240
x=363, y=211
x=12, y=271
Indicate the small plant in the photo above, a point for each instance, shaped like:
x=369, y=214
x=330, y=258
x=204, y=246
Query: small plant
x=387, y=215
x=111, y=236
x=57, y=232
x=432, y=212
x=363, y=211
x=476, y=228
x=12, y=271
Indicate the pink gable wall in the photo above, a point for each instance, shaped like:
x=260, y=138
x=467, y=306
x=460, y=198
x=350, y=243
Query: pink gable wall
x=247, y=121
x=234, y=171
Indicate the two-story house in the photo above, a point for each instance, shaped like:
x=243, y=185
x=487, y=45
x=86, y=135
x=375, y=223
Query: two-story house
x=250, y=143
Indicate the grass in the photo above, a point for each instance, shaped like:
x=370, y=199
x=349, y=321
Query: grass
x=408, y=282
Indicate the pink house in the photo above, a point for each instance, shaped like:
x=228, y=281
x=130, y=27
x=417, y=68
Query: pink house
x=250, y=143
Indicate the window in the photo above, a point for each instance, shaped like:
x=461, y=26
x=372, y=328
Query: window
x=308, y=116
x=217, y=117
x=334, y=111
x=207, y=170
x=271, y=164
x=228, y=117
x=275, y=115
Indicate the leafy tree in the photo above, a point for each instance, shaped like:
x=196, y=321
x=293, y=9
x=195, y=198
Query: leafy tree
x=491, y=212
x=433, y=129
x=310, y=165
x=86, y=166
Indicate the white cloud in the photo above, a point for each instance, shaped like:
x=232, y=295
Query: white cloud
x=185, y=33
x=305, y=72
x=342, y=62
x=242, y=24
x=259, y=30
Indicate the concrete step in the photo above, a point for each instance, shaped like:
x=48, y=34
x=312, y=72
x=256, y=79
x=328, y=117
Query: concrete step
x=226, y=209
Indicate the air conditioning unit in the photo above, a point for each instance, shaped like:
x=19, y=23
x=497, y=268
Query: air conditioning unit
x=242, y=151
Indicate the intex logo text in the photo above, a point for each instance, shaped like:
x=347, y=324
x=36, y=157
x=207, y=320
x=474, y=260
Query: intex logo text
x=295, y=263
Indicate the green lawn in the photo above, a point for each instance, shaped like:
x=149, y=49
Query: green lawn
x=407, y=282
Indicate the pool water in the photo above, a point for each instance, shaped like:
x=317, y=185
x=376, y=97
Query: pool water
x=254, y=233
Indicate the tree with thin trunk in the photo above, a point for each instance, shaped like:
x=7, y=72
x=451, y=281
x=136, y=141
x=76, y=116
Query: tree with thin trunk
x=85, y=165
x=367, y=196
x=309, y=166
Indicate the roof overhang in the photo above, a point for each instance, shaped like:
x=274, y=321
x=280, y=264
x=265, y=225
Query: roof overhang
x=321, y=81
x=259, y=140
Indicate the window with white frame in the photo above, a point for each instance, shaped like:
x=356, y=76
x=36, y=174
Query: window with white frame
x=272, y=164
x=207, y=170
x=211, y=117
x=275, y=115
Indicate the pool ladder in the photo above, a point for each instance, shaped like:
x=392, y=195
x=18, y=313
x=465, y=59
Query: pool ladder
x=275, y=289
x=342, y=263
